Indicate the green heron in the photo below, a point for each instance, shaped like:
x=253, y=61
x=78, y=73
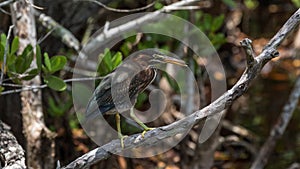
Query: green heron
x=118, y=91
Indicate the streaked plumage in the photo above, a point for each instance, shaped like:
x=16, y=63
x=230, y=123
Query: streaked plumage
x=118, y=91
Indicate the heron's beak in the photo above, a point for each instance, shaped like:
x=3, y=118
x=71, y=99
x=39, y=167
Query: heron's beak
x=172, y=60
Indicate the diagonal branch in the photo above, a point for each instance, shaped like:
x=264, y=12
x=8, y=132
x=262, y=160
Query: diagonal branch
x=115, y=31
x=279, y=128
x=4, y=3
x=158, y=134
x=58, y=30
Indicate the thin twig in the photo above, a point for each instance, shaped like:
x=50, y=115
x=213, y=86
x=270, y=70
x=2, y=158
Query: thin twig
x=279, y=128
x=34, y=6
x=4, y=11
x=46, y=36
x=80, y=71
x=204, y=4
x=239, y=130
x=13, y=85
x=5, y=53
x=4, y=3
x=34, y=87
x=119, y=10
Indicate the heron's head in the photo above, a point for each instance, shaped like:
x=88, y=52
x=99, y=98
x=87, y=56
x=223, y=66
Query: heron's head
x=160, y=58
x=155, y=59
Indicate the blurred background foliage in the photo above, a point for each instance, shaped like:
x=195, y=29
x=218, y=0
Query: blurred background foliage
x=225, y=23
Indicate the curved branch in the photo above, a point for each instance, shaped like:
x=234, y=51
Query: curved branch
x=154, y=136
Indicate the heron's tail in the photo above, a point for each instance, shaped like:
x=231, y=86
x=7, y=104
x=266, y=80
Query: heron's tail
x=92, y=110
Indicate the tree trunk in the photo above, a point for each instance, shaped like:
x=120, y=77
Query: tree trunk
x=40, y=141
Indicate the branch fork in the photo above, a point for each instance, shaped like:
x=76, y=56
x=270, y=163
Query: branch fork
x=250, y=55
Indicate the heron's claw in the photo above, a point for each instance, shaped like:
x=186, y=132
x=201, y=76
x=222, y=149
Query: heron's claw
x=145, y=130
x=122, y=137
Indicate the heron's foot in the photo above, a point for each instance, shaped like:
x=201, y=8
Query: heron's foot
x=122, y=137
x=147, y=129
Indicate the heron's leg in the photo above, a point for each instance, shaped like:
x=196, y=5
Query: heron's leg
x=120, y=135
x=146, y=128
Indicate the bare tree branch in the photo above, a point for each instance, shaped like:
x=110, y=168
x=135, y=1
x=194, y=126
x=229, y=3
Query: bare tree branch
x=215, y=107
x=14, y=155
x=119, y=10
x=112, y=32
x=278, y=129
x=239, y=130
x=59, y=31
x=4, y=3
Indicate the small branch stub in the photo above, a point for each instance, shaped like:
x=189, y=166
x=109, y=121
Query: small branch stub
x=250, y=56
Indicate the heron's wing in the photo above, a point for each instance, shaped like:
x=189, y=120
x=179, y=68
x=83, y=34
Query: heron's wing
x=101, y=101
x=118, y=90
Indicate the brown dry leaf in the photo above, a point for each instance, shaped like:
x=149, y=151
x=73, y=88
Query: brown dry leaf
x=221, y=156
x=78, y=133
x=172, y=167
x=139, y=167
x=81, y=147
x=122, y=162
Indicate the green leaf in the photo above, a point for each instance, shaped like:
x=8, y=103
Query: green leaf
x=1, y=89
x=47, y=62
x=27, y=55
x=14, y=46
x=3, y=39
x=218, y=39
x=142, y=97
x=19, y=65
x=296, y=3
x=207, y=22
x=31, y=74
x=251, y=4
x=125, y=49
x=158, y=5
x=54, y=110
x=57, y=63
x=38, y=55
x=230, y=3
x=116, y=60
x=55, y=83
x=11, y=59
x=107, y=59
x=217, y=23
x=1, y=52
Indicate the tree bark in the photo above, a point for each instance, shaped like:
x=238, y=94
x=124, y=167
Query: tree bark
x=11, y=153
x=40, y=141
